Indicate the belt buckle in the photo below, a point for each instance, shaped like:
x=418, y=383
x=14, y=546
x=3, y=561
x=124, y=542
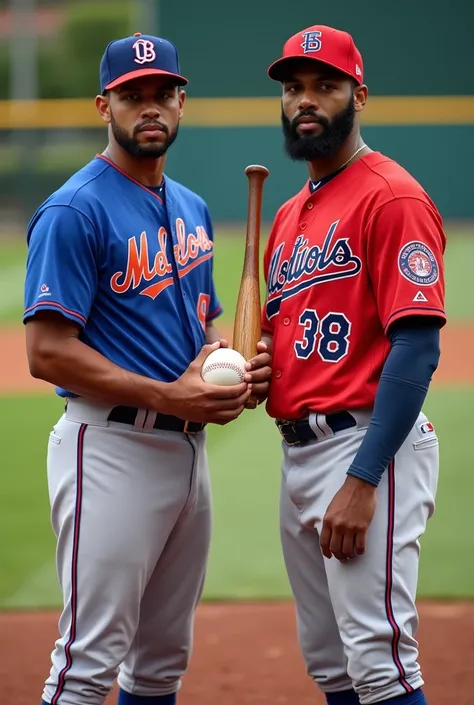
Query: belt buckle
x=191, y=433
x=291, y=426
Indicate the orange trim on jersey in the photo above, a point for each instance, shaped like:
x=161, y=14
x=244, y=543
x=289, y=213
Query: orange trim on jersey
x=53, y=304
x=418, y=311
x=127, y=176
x=155, y=289
x=214, y=314
x=183, y=272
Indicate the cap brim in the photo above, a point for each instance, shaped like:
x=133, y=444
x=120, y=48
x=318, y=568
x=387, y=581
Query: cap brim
x=278, y=69
x=180, y=80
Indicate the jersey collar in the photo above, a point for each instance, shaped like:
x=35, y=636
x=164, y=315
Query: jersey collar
x=130, y=178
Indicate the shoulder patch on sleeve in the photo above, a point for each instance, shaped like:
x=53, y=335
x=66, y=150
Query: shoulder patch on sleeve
x=418, y=264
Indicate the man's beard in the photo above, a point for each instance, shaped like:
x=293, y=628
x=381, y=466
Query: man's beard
x=301, y=147
x=138, y=149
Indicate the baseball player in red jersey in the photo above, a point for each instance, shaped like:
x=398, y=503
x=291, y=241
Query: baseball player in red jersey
x=355, y=301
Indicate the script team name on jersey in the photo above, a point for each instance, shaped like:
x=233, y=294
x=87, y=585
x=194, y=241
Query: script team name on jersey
x=307, y=266
x=191, y=250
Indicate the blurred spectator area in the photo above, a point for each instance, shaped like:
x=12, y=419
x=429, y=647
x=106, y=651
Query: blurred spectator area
x=418, y=61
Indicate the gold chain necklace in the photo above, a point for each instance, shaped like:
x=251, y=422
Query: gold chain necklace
x=351, y=158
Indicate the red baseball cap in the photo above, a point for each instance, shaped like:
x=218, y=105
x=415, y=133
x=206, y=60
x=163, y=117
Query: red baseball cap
x=325, y=44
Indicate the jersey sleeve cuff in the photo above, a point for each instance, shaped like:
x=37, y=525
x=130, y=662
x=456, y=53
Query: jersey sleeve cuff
x=416, y=311
x=54, y=306
x=372, y=478
x=212, y=315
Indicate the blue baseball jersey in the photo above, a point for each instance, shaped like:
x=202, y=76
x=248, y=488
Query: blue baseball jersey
x=131, y=265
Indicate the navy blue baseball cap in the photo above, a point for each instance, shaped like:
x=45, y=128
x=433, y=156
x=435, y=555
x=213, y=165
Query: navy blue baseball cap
x=140, y=55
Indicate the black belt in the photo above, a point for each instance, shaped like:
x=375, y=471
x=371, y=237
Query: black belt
x=300, y=432
x=128, y=414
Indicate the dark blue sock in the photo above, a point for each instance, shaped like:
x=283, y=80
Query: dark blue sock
x=127, y=699
x=343, y=697
x=415, y=698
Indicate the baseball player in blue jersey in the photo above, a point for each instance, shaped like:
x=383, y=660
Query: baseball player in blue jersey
x=119, y=310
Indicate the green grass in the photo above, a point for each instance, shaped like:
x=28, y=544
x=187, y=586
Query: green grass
x=12, y=272
x=27, y=539
x=245, y=465
x=447, y=568
x=459, y=279
x=245, y=458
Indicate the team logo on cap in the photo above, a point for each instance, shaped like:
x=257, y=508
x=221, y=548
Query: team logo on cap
x=144, y=51
x=418, y=264
x=312, y=41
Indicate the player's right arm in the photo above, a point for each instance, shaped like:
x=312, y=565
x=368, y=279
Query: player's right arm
x=61, y=281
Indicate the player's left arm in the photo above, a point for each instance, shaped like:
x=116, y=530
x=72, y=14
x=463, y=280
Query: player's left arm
x=413, y=358
x=213, y=335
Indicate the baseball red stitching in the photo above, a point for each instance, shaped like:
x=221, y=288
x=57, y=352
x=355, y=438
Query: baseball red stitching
x=228, y=365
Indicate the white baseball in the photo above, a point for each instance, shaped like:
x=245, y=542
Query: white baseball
x=224, y=367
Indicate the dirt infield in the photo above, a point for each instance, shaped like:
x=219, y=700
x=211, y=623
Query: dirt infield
x=247, y=653
x=457, y=345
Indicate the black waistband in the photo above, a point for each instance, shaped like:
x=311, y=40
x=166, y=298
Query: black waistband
x=128, y=414
x=300, y=432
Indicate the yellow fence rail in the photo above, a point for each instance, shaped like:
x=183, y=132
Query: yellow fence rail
x=241, y=112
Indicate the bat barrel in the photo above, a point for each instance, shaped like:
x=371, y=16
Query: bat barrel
x=247, y=327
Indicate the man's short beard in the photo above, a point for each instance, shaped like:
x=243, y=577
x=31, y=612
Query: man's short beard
x=138, y=149
x=311, y=147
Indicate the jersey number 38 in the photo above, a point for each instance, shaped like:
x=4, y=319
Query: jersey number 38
x=329, y=335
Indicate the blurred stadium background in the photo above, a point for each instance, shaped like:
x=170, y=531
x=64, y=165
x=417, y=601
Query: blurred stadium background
x=421, y=112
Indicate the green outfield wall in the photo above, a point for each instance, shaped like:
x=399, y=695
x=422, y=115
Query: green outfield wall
x=419, y=61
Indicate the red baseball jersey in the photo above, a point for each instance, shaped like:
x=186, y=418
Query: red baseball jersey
x=341, y=265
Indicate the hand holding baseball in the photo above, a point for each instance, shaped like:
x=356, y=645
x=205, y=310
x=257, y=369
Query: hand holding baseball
x=193, y=399
x=225, y=367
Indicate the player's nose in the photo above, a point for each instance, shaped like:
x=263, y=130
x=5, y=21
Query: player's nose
x=151, y=110
x=308, y=101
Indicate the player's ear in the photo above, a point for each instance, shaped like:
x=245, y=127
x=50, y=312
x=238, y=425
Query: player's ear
x=360, y=98
x=181, y=98
x=103, y=107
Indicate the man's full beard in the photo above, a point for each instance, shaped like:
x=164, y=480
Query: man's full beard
x=137, y=149
x=311, y=147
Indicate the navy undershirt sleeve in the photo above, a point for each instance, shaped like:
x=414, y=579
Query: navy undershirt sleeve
x=402, y=389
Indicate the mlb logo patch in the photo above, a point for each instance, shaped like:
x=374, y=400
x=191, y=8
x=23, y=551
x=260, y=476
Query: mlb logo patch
x=418, y=264
x=427, y=427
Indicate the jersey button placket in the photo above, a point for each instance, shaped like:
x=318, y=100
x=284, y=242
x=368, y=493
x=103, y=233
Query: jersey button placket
x=278, y=374
x=310, y=206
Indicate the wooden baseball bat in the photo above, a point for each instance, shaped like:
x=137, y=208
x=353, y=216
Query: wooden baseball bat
x=247, y=322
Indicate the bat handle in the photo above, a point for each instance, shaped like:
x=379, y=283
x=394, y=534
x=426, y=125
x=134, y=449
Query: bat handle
x=251, y=403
